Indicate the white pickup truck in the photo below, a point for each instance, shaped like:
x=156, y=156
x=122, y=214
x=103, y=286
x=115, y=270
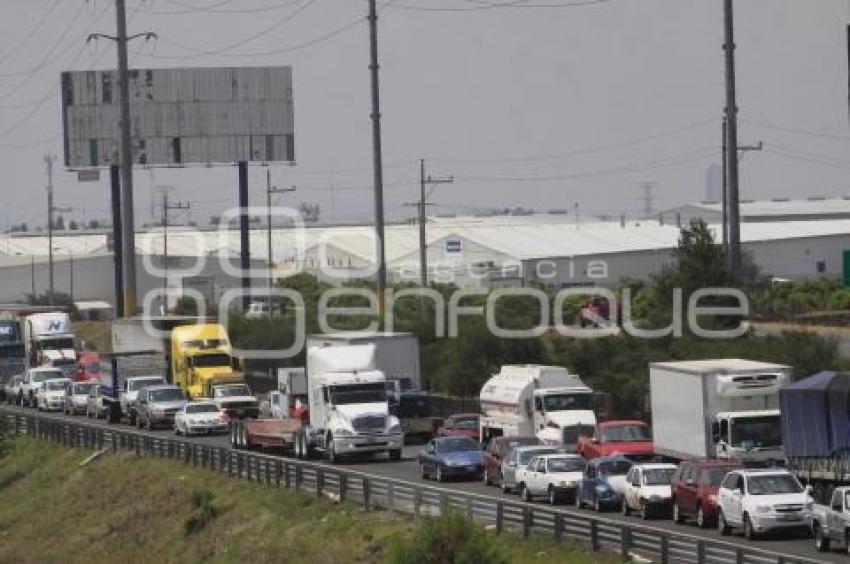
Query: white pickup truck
x=129, y=394
x=830, y=524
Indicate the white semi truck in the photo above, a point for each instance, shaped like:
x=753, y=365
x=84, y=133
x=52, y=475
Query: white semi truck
x=721, y=408
x=543, y=401
x=396, y=355
x=348, y=410
x=49, y=341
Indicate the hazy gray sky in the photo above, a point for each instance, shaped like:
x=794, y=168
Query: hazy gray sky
x=528, y=106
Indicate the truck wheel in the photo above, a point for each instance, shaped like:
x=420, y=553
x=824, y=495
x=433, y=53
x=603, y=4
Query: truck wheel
x=821, y=542
x=847, y=542
x=234, y=442
x=722, y=527
x=440, y=477
x=577, y=500
x=626, y=509
x=395, y=454
x=677, y=514
x=644, y=511
x=523, y=493
x=330, y=449
x=243, y=437
x=296, y=444
x=553, y=497
x=487, y=480
x=131, y=418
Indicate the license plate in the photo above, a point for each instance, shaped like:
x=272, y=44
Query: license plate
x=791, y=517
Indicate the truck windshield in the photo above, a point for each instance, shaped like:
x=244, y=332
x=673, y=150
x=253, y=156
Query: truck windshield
x=773, y=484
x=54, y=385
x=564, y=402
x=626, y=433
x=171, y=394
x=658, y=476
x=754, y=432
x=358, y=393
x=43, y=375
x=11, y=351
x=136, y=385
x=56, y=343
x=210, y=360
x=231, y=391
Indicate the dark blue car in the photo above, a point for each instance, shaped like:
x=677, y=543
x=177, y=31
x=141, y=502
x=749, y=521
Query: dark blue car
x=603, y=482
x=451, y=457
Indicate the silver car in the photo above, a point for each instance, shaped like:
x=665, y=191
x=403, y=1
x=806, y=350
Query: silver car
x=76, y=397
x=158, y=405
x=95, y=407
x=518, y=458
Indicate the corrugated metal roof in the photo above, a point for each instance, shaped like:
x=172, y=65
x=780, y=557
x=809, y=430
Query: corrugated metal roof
x=783, y=206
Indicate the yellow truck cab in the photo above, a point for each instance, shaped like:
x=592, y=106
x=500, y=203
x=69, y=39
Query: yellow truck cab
x=201, y=359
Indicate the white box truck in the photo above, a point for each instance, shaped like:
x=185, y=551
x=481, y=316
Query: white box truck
x=396, y=355
x=543, y=401
x=720, y=408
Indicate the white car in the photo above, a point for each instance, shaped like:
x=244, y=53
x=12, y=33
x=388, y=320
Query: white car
x=648, y=490
x=517, y=459
x=34, y=379
x=759, y=501
x=200, y=417
x=76, y=397
x=555, y=476
x=51, y=394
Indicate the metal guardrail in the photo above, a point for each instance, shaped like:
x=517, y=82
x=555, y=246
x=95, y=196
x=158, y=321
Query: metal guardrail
x=375, y=492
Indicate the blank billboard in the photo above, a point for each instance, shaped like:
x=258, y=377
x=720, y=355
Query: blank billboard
x=180, y=116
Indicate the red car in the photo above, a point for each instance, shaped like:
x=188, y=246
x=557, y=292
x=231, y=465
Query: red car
x=497, y=449
x=461, y=425
x=694, y=487
x=88, y=367
x=632, y=439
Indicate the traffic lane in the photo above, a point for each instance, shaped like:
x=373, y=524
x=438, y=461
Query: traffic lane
x=788, y=543
x=407, y=469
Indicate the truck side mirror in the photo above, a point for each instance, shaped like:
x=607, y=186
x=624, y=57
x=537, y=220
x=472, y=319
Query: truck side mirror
x=235, y=364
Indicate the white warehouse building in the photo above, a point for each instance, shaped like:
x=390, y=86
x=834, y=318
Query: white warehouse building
x=466, y=251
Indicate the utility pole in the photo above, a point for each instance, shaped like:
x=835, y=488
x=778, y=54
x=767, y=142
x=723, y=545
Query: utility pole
x=128, y=230
x=420, y=205
x=166, y=207
x=734, y=241
x=51, y=209
x=377, y=164
x=724, y=196
x=269, y=191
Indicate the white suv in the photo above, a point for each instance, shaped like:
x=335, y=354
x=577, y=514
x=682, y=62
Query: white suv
x=759, y=501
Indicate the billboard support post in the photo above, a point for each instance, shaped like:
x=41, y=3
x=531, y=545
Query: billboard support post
x=244, y=234
x=115, y=186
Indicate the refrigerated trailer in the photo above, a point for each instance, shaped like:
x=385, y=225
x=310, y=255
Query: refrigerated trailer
x=720, y=408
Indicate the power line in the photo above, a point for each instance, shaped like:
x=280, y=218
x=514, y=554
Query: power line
x=798, y=131
x=29, y=34
x=512, y=4
x=214, y=8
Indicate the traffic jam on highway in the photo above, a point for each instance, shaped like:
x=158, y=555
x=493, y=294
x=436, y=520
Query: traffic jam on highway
x=733, y=444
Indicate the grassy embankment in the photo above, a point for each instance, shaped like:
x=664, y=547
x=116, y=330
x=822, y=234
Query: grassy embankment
x=120, y=508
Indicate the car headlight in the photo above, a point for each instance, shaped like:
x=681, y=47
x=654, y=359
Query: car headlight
x=712, y=498
x=810, y=505
x=600, y=488
x=342, y=432
x=763, y=509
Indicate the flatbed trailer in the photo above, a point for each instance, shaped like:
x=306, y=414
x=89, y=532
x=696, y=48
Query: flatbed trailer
x=268, y=433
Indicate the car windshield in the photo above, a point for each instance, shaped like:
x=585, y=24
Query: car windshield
x=136, y=385
x=43, y=375
x=566, y=464
x=357, y=393
x=170, y=394
x=465, y=422
x=456, y=445
x=526, y=455
x=564, y=402
x=231, y=391
x=657, y=476
x=202, y=408
x=618, y=468
x=83, y=388
x=713, y=476
x=754, y=432
x=773, y=484
x=54, y=385
x=210, y=360
x=626, y=433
